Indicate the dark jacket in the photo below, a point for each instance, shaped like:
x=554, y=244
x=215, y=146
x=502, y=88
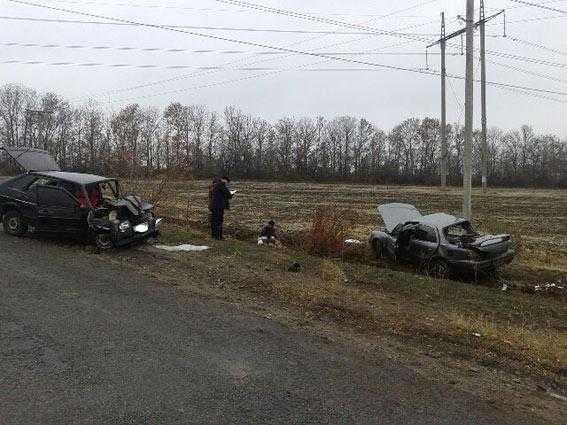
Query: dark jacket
x=219, y=196
x=267, y=231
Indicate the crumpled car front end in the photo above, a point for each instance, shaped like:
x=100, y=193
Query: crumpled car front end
x=123, y=221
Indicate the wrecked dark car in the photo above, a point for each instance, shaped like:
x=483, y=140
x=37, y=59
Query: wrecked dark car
x=47, y=200
x=441, y=243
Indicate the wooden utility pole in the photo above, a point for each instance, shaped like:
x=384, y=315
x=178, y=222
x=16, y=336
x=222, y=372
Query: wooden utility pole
x=469, y=112
x=443, y=44
x=484, y=147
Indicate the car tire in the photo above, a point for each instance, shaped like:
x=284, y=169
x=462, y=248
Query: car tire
x=439, y=268
x=14, y=223
x=103, y=241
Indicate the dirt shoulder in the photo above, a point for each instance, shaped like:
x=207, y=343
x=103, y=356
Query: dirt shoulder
x=508, y=347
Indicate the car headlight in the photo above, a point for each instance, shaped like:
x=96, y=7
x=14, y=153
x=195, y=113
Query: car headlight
x=124, y=226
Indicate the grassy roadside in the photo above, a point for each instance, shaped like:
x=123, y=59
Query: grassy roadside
x=495, y=328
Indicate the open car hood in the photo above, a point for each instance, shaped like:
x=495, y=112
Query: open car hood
x=32, y=159
x=394, y=214
x=133, y=203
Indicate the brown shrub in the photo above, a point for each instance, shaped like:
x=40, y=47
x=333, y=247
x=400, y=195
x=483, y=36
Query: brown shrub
x=328, y=231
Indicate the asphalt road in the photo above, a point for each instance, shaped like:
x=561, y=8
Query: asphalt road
x=84, y=342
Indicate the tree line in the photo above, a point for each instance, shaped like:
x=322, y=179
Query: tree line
x=190, y=140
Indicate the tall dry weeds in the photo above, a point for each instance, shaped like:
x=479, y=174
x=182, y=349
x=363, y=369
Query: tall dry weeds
x=329, y=228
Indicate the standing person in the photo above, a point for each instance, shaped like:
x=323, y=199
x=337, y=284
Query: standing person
x=219, y=200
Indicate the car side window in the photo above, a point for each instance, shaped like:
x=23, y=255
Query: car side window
x=22, y=183
x=54, y=197
x=42, y=181
x=426, y=233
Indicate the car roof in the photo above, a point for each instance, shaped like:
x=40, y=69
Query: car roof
x=79, y=178
x=440, y=220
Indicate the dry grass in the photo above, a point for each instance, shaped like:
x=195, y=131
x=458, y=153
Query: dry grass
x=517, y=330
x=537, y=219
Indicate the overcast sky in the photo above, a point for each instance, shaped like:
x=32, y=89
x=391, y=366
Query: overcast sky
x=295, y=85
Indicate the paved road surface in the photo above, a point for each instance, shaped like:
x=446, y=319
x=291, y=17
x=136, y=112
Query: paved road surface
x=83, y=342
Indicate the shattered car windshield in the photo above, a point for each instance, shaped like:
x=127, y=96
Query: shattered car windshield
x=109, y=189
x=458, y=231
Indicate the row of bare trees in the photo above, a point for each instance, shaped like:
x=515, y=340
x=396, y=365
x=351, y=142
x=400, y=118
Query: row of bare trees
x=191, y=140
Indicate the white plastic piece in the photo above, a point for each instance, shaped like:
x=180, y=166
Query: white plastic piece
x=179, y=248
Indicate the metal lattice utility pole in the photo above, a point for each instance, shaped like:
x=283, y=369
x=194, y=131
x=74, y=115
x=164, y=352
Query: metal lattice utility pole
x=469, y=115
x=443, y=44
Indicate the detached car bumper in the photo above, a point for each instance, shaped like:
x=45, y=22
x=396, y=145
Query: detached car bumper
x=136, y=233
x=483, y=264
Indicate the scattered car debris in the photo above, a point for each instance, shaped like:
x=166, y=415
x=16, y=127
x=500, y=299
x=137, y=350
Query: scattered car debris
x=441, y=242
x=180, y=248
x=47, y=200
x=548, y=287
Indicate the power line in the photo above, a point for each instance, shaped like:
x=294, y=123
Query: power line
x=312, y=18
x=200, y=51
x=517, y=89
x=196, y=27
x=528, y=72
x=536, y=45
x=194, y=75
x=214, y=37
x=283, y=49
x=153, y=66
x=231, y=10
x=168, y=80
x=540, y=6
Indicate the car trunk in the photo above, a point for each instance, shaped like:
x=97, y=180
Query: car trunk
x=491, y=245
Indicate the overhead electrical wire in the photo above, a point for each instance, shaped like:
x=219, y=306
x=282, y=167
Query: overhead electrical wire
x=231, y=10
x=327, y=46
x=540, y=6
x=196, y=27
x=313, y=18
x=537, y=45
x=313, y=54
x=528, y=72
x=202, y=51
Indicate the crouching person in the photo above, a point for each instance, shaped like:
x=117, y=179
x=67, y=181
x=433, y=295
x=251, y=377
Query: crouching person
x=268, y=234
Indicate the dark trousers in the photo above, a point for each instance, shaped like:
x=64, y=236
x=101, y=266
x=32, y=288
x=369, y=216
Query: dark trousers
x=217, y=218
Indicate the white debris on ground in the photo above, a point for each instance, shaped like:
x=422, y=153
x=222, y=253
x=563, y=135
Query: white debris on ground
x=182, y=248
x=547, y=287
x=353, y=242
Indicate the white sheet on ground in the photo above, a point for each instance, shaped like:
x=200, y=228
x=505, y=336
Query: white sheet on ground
x=185, y=247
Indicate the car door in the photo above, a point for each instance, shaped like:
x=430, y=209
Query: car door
x=423, y=243
x=58, y=211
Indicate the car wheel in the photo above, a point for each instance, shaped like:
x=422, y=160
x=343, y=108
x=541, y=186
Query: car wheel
x=103, y=241
x=439, y=268
x=14, y=223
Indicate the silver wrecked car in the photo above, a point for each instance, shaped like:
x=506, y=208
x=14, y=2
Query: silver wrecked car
x=441, y=243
